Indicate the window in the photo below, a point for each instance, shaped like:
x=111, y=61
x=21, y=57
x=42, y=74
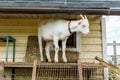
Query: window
x=73, y=43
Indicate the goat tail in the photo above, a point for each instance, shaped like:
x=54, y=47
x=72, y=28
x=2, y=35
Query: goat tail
x=40, y=46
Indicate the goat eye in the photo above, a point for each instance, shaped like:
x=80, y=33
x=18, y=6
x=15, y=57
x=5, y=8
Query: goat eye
x=83, y=26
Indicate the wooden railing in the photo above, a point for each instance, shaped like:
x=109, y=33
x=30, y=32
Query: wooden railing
x=114, y=45
x=55, y=71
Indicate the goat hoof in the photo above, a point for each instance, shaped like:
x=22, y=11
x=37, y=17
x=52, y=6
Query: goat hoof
x=65, y=61
x=41, y=60
x=56, y=61
x=49, y=60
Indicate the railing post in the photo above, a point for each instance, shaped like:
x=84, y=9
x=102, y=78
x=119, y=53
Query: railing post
x=80, y=70
x=34, y=70
x=115, y=54
x=1, y=70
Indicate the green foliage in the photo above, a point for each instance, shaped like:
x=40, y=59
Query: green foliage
x=113, y=74
x=119, y=67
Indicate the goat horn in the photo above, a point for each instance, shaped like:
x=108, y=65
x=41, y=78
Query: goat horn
x=85, y=17
x=82, y=16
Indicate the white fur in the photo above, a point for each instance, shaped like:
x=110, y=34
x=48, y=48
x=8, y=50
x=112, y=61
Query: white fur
x=55, y=30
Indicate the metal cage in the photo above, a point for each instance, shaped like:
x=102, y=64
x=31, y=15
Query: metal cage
x=59, y=71
x=69, y=71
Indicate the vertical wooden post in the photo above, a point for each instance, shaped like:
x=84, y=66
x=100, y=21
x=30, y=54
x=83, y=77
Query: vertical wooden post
x=13, y=74
x=115, y=54
x=1, y=70
x=111, y=66
x=104, y=47
x=80, y=70
x=34, y=70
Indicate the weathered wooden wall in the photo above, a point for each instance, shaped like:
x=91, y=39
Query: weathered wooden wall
x=20, y=29
x=92, y=43
x=21, y=26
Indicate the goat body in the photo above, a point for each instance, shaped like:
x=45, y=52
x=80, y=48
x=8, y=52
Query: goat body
x=55, y=30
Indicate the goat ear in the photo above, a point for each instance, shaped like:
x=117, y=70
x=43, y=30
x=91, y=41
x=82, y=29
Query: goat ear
x=81, y=16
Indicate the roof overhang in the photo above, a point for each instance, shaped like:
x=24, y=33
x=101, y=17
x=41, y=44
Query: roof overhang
x=51, y=10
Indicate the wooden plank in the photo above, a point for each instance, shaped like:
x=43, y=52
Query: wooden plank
x=91, y=41
x=115, y=53
x=104, y=47
x=30, y=64
x=19, y=64
x=90, y=54
x=93, y=34
x=80, y=70
x=95, y=26
x=111, y=44
x=1, y=70
x=18, y=25
x=112, y=67
x=32, y=51
x=34, y=70
x=91, y=48
x=94, y=21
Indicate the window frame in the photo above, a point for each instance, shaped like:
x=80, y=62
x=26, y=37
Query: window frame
x=77, y=48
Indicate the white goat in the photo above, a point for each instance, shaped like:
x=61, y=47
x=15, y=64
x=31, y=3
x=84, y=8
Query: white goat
x=55, y=30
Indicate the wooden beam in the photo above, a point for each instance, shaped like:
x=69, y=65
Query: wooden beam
x=110, y=66
x=30, y=64
x=80, y=70
x=19, y=64
x=1, y=70
x=111, y=44
x=34, y=70
x=104, y=47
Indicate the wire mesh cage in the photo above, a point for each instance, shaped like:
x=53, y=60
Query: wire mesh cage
x=59, y=71
x=69, y=71
x=92, y=72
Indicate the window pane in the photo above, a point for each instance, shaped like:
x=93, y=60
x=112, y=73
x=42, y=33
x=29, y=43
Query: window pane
x=71, y=42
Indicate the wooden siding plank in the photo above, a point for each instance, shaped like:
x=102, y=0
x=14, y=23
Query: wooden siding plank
x=95, y=27
x=91, y=41
x=10, y=48
x=18, y=56
x=90, y=54
x=92, y=34
x=89, y=57
x=95, y=21
x=91, y=48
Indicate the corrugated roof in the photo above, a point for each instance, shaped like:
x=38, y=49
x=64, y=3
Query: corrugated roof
x=100, y=7
x=63, y=3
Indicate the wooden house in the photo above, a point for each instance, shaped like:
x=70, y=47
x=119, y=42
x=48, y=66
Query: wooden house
x=20, y=19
